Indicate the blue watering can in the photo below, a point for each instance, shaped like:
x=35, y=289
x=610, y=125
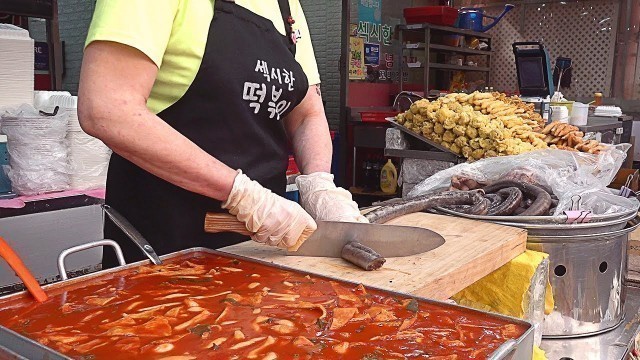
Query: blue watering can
x=471, y=18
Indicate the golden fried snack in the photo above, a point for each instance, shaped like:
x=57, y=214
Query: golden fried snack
x=461, y=141
x=482, y=125
x=448, y=136
x=459, y=130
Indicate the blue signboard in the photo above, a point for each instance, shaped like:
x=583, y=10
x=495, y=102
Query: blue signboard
x=371, y=54
x=370, y=11
x=41, y=50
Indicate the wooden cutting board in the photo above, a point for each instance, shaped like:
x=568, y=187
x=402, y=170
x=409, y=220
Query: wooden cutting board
x=472, y=250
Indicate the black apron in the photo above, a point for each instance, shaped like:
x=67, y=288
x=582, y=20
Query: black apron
x=247, y=82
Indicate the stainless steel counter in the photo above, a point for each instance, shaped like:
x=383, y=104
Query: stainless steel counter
x=613, y=345
x=40, y=236
x=600, y=123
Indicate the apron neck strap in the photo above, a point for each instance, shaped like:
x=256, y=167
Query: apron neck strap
x=285, y=10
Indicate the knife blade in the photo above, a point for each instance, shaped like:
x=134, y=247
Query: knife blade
x=331, y=236
x=387, y=240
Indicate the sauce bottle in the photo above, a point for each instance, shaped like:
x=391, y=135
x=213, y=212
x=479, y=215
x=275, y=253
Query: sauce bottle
x=597, y=99
x=389, y=178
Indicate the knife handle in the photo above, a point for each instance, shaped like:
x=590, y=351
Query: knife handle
x=215, y=223
x=218, y=222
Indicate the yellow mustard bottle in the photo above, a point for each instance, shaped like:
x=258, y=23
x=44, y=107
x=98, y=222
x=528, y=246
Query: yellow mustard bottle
x=389, y=178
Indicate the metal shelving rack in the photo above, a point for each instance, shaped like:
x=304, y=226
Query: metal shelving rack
x=428, y=30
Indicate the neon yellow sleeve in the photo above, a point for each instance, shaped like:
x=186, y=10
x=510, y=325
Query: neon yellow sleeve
x=304, y=49
x=142, y=24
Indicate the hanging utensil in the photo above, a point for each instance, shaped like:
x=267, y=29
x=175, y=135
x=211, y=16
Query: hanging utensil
x=562, y=73
x=123, y=224
x=12, y=258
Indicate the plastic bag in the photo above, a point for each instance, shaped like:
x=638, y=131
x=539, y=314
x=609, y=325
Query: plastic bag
x=38, y=155
x=534, y=301
x=395, y=140
x=565, y=173
x=89, y=160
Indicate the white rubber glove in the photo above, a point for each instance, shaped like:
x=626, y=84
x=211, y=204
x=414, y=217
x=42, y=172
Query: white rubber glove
x=324, y=201
x=273, y=219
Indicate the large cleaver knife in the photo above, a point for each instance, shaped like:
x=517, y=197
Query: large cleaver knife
x=331, y=236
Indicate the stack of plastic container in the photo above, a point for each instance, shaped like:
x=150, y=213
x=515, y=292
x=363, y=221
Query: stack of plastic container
x=88, y=156
x=16, y=66
x=37, y=150
x=41, y=98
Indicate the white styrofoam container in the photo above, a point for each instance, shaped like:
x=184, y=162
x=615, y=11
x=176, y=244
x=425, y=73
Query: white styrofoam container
x=16, y=66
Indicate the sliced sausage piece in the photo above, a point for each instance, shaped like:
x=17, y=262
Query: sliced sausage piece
x=362, y=256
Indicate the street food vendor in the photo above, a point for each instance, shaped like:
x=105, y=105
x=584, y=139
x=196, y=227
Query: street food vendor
x=200, y=101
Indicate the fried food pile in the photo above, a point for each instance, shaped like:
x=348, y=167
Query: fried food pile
x=568, y=137
x=482, y=125
x=453, y=122
x=499, y=105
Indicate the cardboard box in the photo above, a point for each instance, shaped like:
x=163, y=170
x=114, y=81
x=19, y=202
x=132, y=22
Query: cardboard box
x=628, y=162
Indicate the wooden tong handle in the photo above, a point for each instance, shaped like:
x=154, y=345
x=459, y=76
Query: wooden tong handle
x=22, y=271
x=218, y=222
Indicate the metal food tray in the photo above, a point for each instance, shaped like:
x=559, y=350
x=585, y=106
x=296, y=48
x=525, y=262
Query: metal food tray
x=552, y=228
x=556, y=225
x=424, y=139
x=16, y=346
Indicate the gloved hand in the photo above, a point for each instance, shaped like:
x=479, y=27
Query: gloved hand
x=324, y=201
x=273, y=219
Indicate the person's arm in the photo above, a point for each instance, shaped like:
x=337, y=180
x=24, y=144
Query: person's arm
x=115, y=82
x=308, y=129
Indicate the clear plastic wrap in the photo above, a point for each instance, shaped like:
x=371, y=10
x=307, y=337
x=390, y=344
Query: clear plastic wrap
x=534, y=301
x=414, y=171
x=565, y=173
x=395, y=140
x=518, y=289
x=38, y=155
x=89, y=160
x=406, y=188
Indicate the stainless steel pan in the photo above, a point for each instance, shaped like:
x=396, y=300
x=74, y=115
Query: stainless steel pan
x=12, y=342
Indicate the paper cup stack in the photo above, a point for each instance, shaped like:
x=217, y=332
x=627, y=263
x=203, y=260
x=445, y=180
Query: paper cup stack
x=560, y=113
x=88, y=156
x=37, y=151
